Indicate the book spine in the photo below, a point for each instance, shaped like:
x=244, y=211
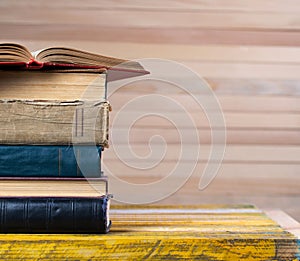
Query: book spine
x=54, y=215
x=34, y=64
x=52, y=123
x=50, y=161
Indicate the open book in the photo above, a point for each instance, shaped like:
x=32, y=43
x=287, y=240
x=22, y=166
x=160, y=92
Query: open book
x=16, y=56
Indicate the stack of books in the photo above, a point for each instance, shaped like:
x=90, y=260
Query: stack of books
x=54, y=121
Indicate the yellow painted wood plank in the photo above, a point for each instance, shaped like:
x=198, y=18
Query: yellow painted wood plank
x=167, y=241
x=141, y=248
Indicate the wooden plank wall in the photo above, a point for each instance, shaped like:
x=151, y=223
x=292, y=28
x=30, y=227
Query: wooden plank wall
x=248, y=51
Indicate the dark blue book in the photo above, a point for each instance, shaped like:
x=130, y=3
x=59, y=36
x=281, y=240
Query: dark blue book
x=54, y=214
x=50, y=161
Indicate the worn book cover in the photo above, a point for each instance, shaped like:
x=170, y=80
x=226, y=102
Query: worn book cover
x=50, y=161
x=53, y=108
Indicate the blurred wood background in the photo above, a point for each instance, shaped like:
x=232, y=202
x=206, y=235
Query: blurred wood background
x=248, y=52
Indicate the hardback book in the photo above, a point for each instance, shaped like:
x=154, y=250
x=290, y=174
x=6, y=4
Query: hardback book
x=54, y=214
x=53, y=187
x=53, y=107
x=57, y=96
x=50, y=161
x=13, y=55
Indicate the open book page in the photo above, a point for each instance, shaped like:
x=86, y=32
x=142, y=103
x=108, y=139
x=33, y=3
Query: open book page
x=11, y=52
x=15, y=56
x=36, y=53
x=63, y=55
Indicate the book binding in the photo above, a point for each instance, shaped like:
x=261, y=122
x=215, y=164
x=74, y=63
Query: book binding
x=50, y=161
x=54, y=215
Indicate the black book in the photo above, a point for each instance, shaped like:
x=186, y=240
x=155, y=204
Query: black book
x=54, y=214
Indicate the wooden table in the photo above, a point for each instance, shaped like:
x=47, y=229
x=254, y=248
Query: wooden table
x=169, y=233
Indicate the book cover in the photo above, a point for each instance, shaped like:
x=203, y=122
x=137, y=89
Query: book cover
x=50, y=161
x=54, y=214
x=54, y=108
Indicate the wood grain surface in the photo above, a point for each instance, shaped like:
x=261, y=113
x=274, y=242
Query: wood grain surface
x=248, y=52
x=207, y=232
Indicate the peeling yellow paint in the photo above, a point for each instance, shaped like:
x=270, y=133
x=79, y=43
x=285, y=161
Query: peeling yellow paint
x=207, y=237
